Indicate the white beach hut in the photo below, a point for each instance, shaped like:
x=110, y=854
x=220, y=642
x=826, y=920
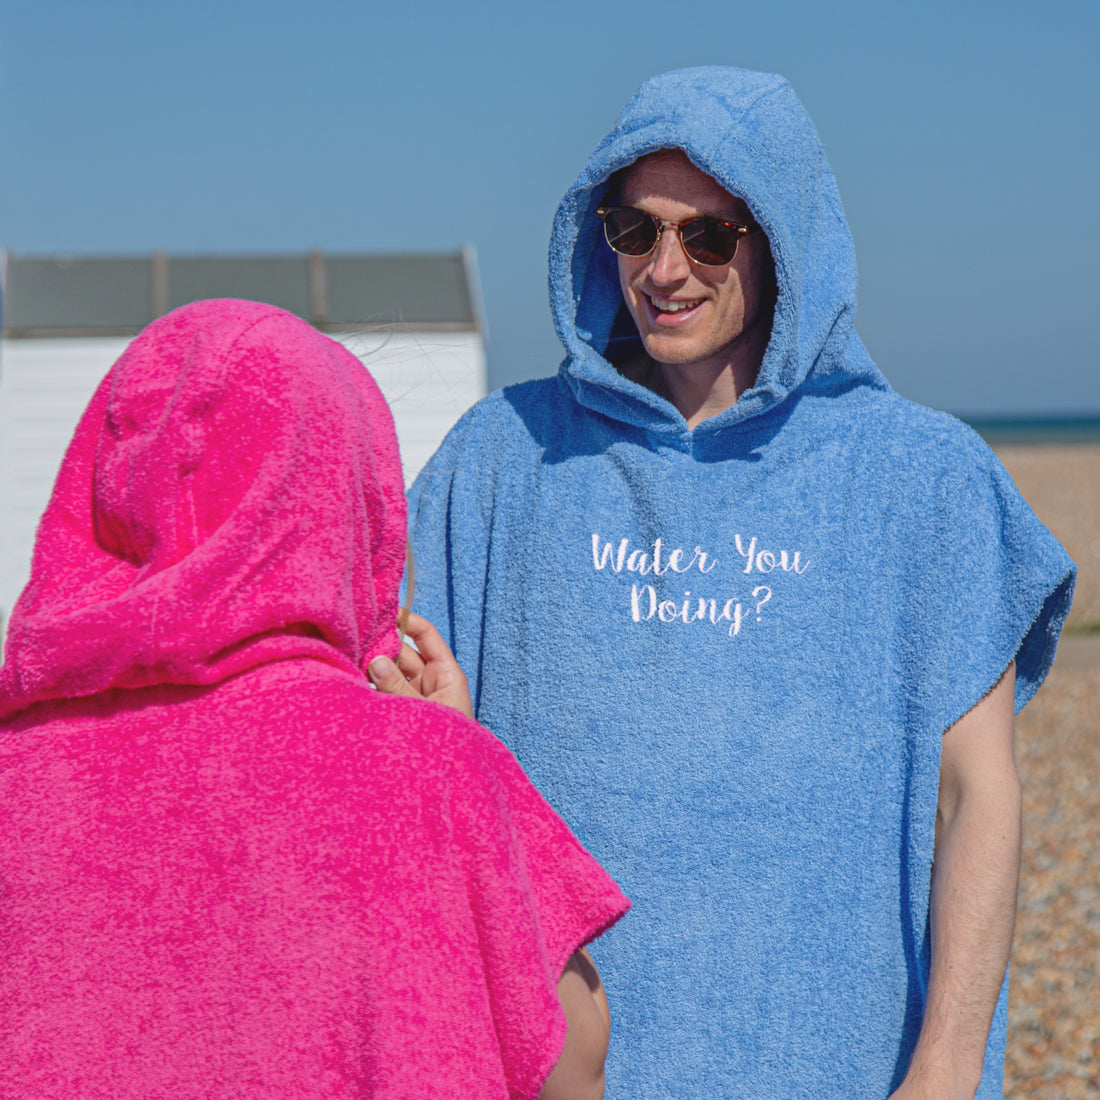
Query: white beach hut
x=415, y=320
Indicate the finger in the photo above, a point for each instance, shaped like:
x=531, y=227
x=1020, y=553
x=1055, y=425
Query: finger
x=428, y=640
x=386, y=676
x=410, y=662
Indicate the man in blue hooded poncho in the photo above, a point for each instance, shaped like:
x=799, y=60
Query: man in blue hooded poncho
x=753, y=623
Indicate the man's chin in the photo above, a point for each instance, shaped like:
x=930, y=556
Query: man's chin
x=670, y=352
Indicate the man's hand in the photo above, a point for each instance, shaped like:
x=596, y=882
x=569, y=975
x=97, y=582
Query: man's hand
x=429, y=671
x=973, y=904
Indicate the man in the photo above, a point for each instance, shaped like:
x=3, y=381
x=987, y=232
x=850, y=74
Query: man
x=753, y=623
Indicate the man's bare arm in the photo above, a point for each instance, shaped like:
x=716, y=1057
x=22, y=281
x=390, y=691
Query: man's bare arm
x=973, y=907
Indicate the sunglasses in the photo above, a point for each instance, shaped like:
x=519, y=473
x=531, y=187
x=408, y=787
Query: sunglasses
x=707, y=241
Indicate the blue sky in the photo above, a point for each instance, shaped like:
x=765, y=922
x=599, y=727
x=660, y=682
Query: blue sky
x=965, y=137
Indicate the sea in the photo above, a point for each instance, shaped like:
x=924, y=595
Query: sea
x=1065, y=430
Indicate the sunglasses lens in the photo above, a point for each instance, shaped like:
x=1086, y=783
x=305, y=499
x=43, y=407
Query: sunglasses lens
x=709, y=241
x=706, y=240
x=631, y=232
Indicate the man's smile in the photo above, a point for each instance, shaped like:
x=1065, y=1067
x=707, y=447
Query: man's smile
x=672, y=305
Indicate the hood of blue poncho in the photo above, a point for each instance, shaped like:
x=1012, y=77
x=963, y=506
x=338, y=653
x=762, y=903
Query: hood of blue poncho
x=750, y=133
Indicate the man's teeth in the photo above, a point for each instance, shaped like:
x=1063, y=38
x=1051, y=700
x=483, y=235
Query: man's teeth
x=667, y=305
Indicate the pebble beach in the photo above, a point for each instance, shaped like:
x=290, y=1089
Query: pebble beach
x=1054, y=1004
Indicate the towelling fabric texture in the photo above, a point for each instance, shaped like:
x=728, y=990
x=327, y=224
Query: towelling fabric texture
x=231, y=869
x=728, y=655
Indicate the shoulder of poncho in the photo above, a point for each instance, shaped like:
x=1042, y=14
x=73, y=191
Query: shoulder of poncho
x=498, y=427
x=917, y=435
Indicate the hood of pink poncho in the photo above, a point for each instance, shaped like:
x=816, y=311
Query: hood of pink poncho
x=202, y=525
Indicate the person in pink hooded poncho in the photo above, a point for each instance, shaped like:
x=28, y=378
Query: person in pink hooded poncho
x=229, y=867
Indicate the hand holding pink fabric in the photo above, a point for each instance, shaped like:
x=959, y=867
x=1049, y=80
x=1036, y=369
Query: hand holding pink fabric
x=428, y=671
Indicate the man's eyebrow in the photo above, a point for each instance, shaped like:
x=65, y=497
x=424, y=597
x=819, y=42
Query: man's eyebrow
x=736, y=213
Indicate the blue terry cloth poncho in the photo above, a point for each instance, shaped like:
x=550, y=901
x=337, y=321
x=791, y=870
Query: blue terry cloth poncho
x=728, y=655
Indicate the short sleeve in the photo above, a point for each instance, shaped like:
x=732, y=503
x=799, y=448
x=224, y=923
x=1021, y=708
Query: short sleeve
x=536, y=896
x=990, y=585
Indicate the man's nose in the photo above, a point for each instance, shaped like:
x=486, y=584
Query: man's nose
x=669, y=263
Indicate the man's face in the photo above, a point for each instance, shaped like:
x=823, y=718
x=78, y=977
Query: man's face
x=686, y=313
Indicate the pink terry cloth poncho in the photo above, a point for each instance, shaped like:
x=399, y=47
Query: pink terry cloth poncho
x=228, y=868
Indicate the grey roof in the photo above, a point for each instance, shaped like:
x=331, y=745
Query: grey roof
x=59, y=296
